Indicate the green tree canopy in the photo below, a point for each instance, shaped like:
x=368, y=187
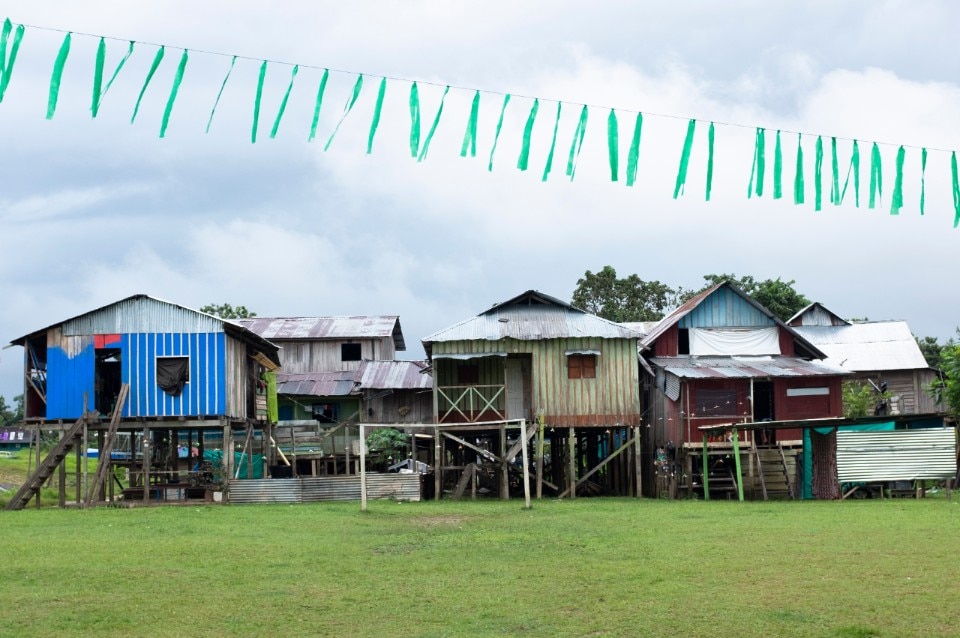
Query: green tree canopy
x=627, y=299
x=946, y=389
x=776, y=295
x=226, y=311
x=11, y=415
x=931, y=349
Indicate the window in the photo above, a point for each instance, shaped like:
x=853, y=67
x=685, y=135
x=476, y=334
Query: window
x=467, y=374
x=172, y=374
x=582, y=366
x=683, y=341
x=350, y=352
x=326, y=412
x=716, y=402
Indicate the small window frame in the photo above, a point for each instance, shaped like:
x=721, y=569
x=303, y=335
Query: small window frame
x=351, y=352
x=581, y=366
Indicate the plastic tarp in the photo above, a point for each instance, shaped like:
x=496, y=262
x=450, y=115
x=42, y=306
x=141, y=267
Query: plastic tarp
x=734, y=341
x=240, y=461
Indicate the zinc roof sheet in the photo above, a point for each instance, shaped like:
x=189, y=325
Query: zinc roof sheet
x=307, y=328
x=395, y=375
x=863, y=347
x=317, y=384
x=744, y=367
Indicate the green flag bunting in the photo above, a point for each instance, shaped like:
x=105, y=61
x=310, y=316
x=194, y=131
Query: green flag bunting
x=283, y=102
x=470, y=135
x=876, y=176
x=896, y=200
x=633, y=155
x=759, y=165
x=613, y=145
x=798, y=188
x=553, y=145
x=174, y=89
x=710, y=136
x=98, y=75
x=57, y=74
x=854, y=168
x=220, y=92
x=524, y=160
x=678, y=187
x=433, y=127
x=923, y=179
x=7, y=59
x=375, y=122
x=818, y=175
x=317, y=104
x=157, y=59
x=578, y=134
x=496, y=135
x=256, y=101
x=835, y=173
x=346, y=109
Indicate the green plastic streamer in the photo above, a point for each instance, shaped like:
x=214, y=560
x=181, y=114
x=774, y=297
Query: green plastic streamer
x=613, y=145
x=98, y=76
x=256, y=102
x=777, y=169
x=524, y=160
x=177, y=78
x=956, y=189
x=553, y=145
x=835, y=173
x=923, y=179
x=876, y=176
x=711, y=133
x=896, y=200
x=817, y=176
x=414, y=120
x=153, y=69
x=684, y=159
x=57, y=74
x=375, y=122
x=759, y=164
x=855, y=169
x=496, y=136
x=283, y=102
x=317, y=104
x=470, y=135
x=7, y=61
x=633, y=155
x=219, y=93
x=798, y=197
x=578, y=134
x=346, y=109
x=433, y=127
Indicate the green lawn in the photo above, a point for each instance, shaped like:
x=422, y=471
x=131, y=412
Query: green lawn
x=601, y=567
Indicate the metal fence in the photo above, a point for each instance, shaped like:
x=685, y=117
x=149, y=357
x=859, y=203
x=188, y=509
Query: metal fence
x=399, y=487
x=898, y=455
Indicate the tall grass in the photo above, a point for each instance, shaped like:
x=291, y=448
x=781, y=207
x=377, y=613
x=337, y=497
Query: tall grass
x=605, y=567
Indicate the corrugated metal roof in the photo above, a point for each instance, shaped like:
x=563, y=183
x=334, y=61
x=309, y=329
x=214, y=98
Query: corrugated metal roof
x=318, y=384
x=532, y=316
x=307, y=328
x=642, y=328
x=901, y=455
x=864, y=347
x=816, y=314
x=744, y=367
x=395, y=375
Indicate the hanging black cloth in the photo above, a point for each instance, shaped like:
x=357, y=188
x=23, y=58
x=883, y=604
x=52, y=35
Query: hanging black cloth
x=172, y=374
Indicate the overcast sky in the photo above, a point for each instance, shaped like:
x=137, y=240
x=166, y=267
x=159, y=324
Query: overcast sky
x=93, y=210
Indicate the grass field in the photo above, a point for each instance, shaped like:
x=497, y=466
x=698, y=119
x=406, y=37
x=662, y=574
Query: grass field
x=590, y=567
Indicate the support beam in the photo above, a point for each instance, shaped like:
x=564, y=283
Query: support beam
x=363, y=470
x=596, y=469
x=526, y=474
x=572, y=463
x=637, y=458
x=437, y=459
x=705, y=469
x=540, y=458
x=736, y=459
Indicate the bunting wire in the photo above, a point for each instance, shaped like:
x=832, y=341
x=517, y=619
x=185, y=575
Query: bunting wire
x=470, y=135
x=524, y=160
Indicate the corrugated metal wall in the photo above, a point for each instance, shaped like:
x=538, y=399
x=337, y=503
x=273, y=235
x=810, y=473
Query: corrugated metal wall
x=612, y=397
x=70, y=374
x=722, y=309
x=325, y=356
x=400, y=487
x=901, y=455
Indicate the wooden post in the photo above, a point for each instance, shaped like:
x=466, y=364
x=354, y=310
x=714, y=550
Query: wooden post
x=705, y=468
x=437, y=458
x=572, y=461
x=637, y=457
x=473, y=481
x=363, y=472
x=736, y=460
x=293, y=452
x=523, y=454
x=38, y=444
x=62, y=478
x=540, y=458
x=145, y=466
x=504, y=467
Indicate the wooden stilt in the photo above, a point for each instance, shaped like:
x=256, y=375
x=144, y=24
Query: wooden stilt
x=637, y=460
x=540, y=459
x=363, y=471
x=147, y=452
x=437, y=460
x=504, y=469
x=524, y=460
x=705, y=468
x=572, y=463
x=736, y=459
x=62, y=480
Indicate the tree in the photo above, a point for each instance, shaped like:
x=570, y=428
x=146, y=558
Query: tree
x=931, y=349
x=226, y=311
x=776, y=295
x=386, y=446
x=8, y=415
x=946, y=389
x=626, y=299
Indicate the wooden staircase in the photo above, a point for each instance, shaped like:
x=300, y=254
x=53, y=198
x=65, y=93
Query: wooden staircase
x=104, y=462
x=32, y=485
x=773, y=474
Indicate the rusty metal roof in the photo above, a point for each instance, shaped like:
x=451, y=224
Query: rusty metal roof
x=528, y=317
x=869, y=346
x=310, y=328
x=744, y=367
x=395, y=375
x=318, y=384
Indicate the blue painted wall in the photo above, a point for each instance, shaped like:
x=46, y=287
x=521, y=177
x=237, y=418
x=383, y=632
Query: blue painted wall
x=725, y=309
x=203, y=395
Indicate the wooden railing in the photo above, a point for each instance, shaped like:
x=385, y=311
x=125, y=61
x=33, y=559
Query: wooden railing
x=470, y=402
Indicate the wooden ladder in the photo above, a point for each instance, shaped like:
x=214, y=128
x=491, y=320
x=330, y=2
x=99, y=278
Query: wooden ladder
x=44, y=471
x=763, y=482
x=105, y=461
x=786, y=472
